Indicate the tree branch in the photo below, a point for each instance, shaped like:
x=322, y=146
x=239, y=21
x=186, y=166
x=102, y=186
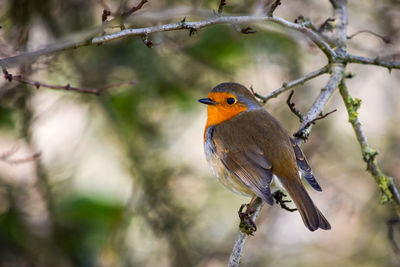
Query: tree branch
x=292, y=107
x=133, y=9
x=291, y=84
x=372, y=61
x=388, y=189
x=221, y=5
x=96, y=91
x=319, y=103
x=88, y=38
x=384, y=38
x=321, y=116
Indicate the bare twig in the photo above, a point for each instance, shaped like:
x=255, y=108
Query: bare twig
x=134, y=9
x=274, y=5
x=22, y=160
x=247, y=30
x=121, y=16
x=291, y=84
x=96, y=91
x=300, y=132
x=384, y=38
x=5, y=157
x=292, y=108
x=326, y=25
x=221, y=5
x=372, y=61
x=388, y=189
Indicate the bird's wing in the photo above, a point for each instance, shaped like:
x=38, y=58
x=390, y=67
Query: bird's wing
x=304, y=166
x=246, y=160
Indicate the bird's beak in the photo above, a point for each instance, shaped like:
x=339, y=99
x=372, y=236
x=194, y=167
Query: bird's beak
x=207, y=101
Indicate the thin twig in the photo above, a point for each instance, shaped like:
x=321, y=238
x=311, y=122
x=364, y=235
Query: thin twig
x=121, y=16
x=134, y=9
x=388, y=189
x=274, y=5
x=292, y=108
x=22, y=160
x=291, y=84
x=372, y=61
x=221, y=5
x=385, y=39
x=300, y=132
x=5, y=157
x=326, y=25
x=96, y=91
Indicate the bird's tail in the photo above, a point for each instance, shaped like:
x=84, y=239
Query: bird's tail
x=310, y=214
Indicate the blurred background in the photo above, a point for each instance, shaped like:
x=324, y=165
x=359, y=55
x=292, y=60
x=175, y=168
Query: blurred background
x=121, y=179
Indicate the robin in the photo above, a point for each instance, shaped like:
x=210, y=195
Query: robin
x=246, y=147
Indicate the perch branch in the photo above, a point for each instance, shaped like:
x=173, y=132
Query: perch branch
x=237, y=250
x=388, y=189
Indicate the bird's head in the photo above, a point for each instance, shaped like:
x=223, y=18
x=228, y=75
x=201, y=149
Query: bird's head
x=228, y=100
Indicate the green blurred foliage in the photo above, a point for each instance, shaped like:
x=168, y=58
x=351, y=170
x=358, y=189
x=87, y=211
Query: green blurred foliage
x=85, y=224
x=7, y=118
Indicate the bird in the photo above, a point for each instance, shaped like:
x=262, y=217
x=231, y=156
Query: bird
x=247, y=148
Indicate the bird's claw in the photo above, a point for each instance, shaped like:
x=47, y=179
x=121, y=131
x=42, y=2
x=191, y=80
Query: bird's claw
x=278, y=196
x=247, y=225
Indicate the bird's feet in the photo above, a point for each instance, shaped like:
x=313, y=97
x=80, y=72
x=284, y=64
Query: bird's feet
x=278, y=196
x=247, y=225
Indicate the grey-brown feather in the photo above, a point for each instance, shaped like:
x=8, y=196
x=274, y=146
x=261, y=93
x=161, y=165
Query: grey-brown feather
x=305, y=167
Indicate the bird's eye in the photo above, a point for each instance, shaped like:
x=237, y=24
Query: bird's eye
x=230, y=101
